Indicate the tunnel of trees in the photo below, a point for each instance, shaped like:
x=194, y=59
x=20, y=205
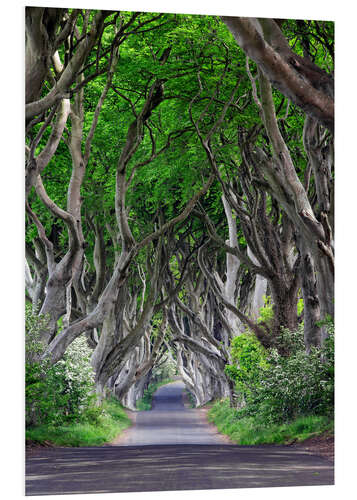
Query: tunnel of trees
x=179, y=193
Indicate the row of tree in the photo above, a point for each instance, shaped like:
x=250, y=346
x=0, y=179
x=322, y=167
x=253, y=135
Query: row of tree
x=179, y=172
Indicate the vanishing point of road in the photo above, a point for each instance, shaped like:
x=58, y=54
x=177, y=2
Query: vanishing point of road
x=171, y=448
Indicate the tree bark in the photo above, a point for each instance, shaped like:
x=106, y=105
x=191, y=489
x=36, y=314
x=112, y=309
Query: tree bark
x=69, y=74
x=297, y=78
x=41, y=27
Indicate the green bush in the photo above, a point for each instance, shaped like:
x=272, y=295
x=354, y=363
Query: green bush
x=279, y=388
x=249, y=358
x=98, y=425
x=59, y=393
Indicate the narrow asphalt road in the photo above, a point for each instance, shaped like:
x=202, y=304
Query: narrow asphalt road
x=170, y=422
x=171, y=448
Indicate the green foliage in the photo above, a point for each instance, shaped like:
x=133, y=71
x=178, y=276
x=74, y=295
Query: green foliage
x=202, y=49
x=248, y=358
x=33, y=325
x=289, y=341
x=266, y=313
x=279, y=388
x=98, y=425
x=296, y=385
x=254, y=430
x=59, y=393
x=300, y=306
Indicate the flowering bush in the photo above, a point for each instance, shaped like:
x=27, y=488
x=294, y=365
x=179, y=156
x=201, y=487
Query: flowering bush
x=59, y=393
x=278, y=388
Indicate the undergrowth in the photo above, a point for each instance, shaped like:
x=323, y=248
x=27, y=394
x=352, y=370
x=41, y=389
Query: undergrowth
x=98, y=426
x=282, y=394
x=254, y=431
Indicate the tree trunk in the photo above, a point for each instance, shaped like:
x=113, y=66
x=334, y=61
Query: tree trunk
x=312, y=332
x=41, y=26
x=301, y=81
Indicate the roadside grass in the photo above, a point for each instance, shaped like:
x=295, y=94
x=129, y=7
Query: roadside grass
x=145, y=403
x=252, y=431
x=102, y=427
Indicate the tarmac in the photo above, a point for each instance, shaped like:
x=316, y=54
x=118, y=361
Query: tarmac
x=171, y=448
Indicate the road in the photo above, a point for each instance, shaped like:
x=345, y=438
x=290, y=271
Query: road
x=170, y=422
x=171, y=448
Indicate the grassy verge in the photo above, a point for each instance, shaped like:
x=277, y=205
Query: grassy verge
x=252, y=431
x=145, y=402
x=102, y=429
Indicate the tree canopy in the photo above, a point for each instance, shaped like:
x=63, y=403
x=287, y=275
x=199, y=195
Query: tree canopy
x=179, y=185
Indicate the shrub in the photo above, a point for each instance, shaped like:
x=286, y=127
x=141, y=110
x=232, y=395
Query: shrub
x=33, y=325
x=249, y=358
x=279, y=388
x=59, y=393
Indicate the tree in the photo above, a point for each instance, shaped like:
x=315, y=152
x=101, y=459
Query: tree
x=305, y=83
x=169, y=188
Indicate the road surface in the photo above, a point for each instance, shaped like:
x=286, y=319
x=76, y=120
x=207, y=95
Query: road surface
x=170, y=422
x=171, y=448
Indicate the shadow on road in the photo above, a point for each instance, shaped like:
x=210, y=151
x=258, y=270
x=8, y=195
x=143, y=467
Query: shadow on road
x=171, y=448
x=169, y=468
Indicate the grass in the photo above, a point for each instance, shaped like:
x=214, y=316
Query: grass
x=145, y=403
x=252, y=431
x=92, y=432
